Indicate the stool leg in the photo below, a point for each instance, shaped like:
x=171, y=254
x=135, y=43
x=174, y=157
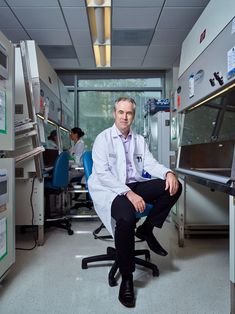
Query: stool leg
x=145, y=252
x=96, y=258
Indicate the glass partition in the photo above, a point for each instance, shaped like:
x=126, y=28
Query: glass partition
x=199, y=125
x=212, y=121
x=227, y=129
x=48, y=128
x=65, y=139
x=96, y=111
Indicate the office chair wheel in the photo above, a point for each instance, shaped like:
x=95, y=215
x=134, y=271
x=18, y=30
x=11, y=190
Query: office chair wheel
x=70, y=232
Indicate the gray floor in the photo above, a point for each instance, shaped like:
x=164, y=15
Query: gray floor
x=49, y=279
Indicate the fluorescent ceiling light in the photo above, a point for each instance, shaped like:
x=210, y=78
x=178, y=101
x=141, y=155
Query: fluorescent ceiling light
x=99, y=13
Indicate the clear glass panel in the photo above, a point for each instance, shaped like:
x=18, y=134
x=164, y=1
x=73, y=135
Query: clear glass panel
x=48, y=128
x=65, y=139
x=96, y=111
x=199, y=125
x=145, y=82
x=217, y=114
x=227, y=130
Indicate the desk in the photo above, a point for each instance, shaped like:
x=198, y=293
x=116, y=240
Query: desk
x=76, y=173
x=75, y=166
x=47, y=172
x=182, y=214
x=47, y=169
x=81, y=207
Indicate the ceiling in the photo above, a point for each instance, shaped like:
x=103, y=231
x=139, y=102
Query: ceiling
x=145, y=34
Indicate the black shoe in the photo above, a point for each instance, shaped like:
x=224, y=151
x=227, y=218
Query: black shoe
x=152, y=242
x=126, y=292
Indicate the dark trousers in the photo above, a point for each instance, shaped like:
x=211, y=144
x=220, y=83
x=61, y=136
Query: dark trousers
x=122, y=210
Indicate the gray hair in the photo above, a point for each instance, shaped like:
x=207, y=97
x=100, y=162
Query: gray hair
x=129, y=99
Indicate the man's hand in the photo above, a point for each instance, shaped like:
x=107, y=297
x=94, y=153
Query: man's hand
x=171, y=183
x=136, y=200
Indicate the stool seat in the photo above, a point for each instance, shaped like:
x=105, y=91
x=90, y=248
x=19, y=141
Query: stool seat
x=146, y=211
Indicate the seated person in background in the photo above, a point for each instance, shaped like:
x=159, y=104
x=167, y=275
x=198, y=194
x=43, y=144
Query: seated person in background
x=78, y=147
x=52, y=140
x=76, y=152
x=118, y=191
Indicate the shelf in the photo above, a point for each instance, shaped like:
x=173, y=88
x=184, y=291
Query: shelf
x=30, y=154
x=24, y=127
x=25, y=135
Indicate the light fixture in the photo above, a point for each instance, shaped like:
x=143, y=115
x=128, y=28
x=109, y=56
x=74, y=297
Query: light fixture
x=66, y=130
x=43, y=118
x=99, y=13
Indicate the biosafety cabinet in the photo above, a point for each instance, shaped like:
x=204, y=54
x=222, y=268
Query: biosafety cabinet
x=7, y=165
x=28, y=149
x=206, y=105
x=40, y=102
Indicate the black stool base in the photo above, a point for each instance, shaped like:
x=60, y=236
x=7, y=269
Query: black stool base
x=111, y=256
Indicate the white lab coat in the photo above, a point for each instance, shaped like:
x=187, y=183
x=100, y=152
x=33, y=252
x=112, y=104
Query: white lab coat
x=109, y=170
x=77, y=150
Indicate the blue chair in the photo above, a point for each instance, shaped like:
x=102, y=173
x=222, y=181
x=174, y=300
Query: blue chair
x=111, y=253
x=57, y=185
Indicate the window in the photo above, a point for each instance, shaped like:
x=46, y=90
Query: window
x=96, y=111
x=96, y=99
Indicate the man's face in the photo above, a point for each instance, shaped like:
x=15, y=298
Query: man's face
x=124, y=116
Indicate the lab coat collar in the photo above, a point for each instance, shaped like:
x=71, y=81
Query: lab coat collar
x=116, y=133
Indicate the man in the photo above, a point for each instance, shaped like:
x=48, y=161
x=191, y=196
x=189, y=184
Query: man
x=118, y=191
x=53, y=140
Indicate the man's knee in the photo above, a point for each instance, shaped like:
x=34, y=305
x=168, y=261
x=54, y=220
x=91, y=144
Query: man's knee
x=123, y=210
x=179, y=191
